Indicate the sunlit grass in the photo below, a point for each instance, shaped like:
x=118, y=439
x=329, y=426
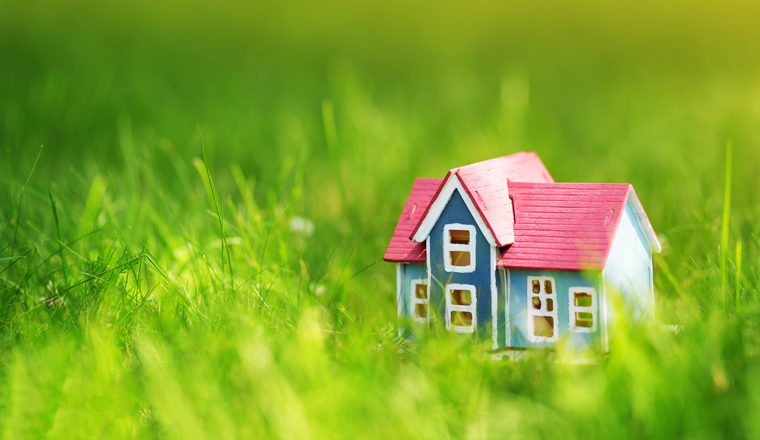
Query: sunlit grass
x=197, y=251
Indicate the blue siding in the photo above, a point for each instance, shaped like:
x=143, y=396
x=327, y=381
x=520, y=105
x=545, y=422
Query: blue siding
x=628, y=272
x=518, y=307
x=456, y=211
x=409, y=272
x=501, y=316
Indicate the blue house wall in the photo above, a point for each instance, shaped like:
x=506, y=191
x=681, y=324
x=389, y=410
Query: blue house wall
x=456, y=211
x=407, y=273
x=516, y=331
x=626, y=276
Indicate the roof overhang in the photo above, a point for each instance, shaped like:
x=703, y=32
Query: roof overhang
x=644, y=223
x=441, y=199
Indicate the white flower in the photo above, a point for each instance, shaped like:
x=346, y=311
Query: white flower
x=301, y=225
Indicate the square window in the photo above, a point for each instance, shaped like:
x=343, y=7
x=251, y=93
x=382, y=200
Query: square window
x=585, y=320
x=459, y=243
x=419, y=300
x=421, y=291
x=460, y=259
x=583, y=309
x=458, y=236
x=461, y=311
x=461, y=297
x=537, y=303
x=543, y=326
x=420, y=311
x=582, y=299
x=461, y=319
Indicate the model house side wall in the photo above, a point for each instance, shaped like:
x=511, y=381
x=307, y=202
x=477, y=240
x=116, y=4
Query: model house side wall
x=517, y=304
x=406, y=273
x=456, y=212
x=628, y=272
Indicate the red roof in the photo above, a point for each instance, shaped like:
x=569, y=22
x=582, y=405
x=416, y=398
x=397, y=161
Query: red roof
x=558, y=226
x=486, y=185
x=564, y=226
x=401, y=249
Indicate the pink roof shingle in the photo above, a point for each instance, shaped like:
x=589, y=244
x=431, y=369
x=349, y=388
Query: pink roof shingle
x=564, y=226
x=557, y=226
x=401, y=249
x=486, y=185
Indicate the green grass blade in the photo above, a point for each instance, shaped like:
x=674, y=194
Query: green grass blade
x=60, y=241
x=219, y=213
x=21, y=198
x=724, y=233
x=738, y=288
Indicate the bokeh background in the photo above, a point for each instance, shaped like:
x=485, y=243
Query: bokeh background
x=138, y=299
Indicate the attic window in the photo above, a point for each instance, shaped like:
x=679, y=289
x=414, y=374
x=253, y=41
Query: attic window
x=461, y=314
x=420, y=301
x=459, y=248
x=457, y=236
x=583, y=309
x=542, y=310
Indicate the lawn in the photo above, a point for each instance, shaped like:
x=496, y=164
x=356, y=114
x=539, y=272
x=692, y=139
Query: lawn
x=196, y=249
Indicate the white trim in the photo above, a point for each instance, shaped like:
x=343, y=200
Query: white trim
x=429, y=272
x=494, y=301
x=413, y=300
x=507, y=279
x=644, y=223
x=543, y=297
x=449, y=247
x=438, y=205
x=472, y=308
x=573, y=309
x=650, y=268
x=399, y=299
x=604, y=305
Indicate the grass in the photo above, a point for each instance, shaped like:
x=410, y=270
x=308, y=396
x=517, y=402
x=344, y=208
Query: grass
x=196, y=251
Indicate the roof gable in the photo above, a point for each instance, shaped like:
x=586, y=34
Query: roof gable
x=483, y=185
x=560, y=226
x=439, y=203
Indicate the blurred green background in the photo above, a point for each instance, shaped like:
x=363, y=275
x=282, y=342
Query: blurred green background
x=138, y=300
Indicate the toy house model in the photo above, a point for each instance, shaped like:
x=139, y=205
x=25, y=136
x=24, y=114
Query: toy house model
x=499, y=249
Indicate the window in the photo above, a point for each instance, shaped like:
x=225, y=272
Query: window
x=582, y=309
x=420, y=301
x=542, y=309
x=459, y=248
x=461, y=314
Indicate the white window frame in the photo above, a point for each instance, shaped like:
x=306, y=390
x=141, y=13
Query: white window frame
x=472, y=308
x=449, y=247
x=543, y=296
x=573, y=309
x=414, y=300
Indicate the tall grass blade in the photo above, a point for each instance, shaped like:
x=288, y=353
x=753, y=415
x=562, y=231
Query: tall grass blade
x=266, y=240
x=60, y=241
x=21, y=198
x=331, y=133
x=738, y=291
x=219, y=213
x=725, y=223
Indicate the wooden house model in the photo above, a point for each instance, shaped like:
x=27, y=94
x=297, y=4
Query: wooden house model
x=499, y=249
